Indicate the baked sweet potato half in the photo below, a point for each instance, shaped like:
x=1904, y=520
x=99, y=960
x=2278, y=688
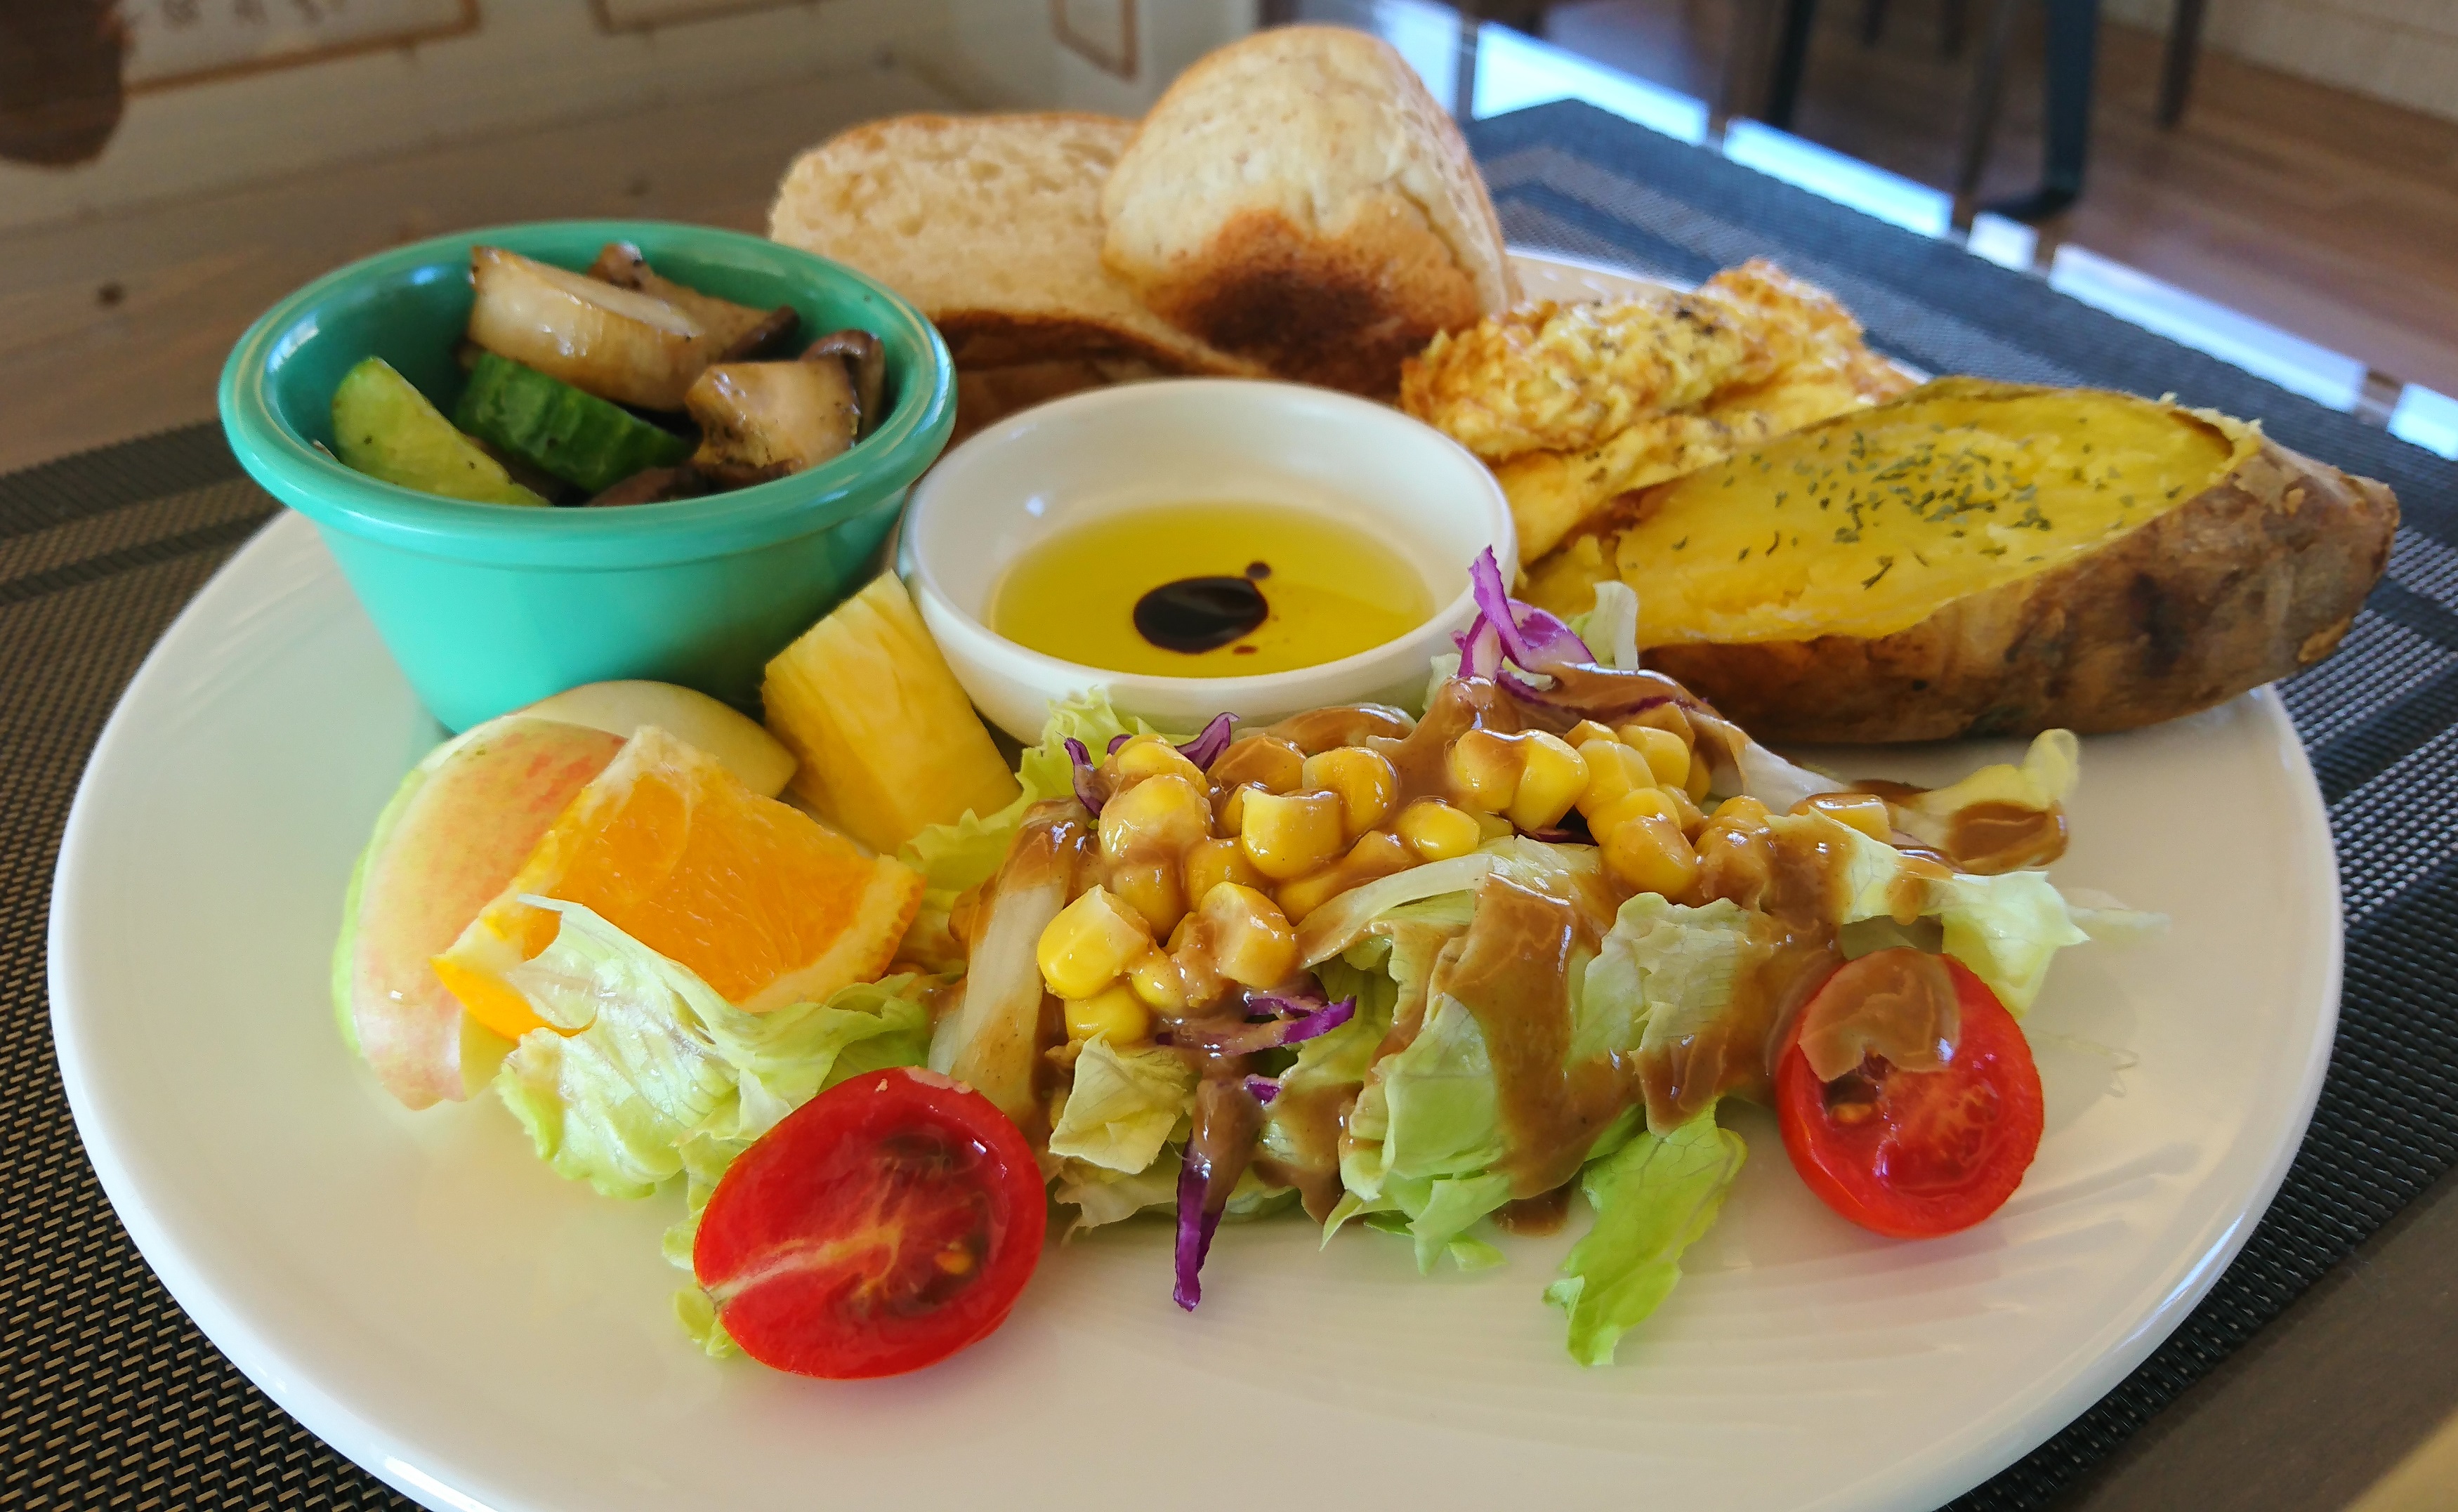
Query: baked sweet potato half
x=1985, y=558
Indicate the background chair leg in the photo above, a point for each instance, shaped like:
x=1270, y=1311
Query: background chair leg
x=2073, y=48
x=2177, y=71
x=1987, y=95
x=1791, y=57
x=1748, y=67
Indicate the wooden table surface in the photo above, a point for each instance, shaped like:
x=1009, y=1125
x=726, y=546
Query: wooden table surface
x=116, y=324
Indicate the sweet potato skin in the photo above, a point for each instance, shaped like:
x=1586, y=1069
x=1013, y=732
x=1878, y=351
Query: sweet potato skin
x=2253, y=580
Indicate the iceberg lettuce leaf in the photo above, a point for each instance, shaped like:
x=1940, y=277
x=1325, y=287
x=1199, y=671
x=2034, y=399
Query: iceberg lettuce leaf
x=658, y=1071
x=1124, y=1105
x=1653, y=1198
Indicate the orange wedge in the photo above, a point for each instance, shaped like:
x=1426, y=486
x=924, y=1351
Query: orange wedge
x=765, y=904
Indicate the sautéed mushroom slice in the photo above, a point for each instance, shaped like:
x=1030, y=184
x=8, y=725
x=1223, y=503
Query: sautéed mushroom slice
x=762, y=419
x=738, y=331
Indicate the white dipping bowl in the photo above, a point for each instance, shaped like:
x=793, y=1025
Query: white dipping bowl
x=1195, y=441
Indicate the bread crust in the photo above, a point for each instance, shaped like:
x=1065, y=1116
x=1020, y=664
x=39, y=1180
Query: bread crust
x=991, y=224
x=2254, y=579
x=990, y=337
x=1344, y=311
x=1298, y=198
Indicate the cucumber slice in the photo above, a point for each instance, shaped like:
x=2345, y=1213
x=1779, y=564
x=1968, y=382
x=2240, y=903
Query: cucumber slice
x=385, y=427
x=574, y=436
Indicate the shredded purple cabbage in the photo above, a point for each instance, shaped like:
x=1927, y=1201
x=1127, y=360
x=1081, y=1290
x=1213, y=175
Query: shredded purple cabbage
x=1117, y=741
x=1263, y=1088
x=1480, y=648
x=1520, y=634
x=1195, y=1228
x=1314, y=1018
x=1206, y=748
x=1087, y=791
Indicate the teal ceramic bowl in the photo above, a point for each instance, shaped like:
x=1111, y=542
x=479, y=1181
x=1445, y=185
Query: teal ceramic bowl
x=491, y=607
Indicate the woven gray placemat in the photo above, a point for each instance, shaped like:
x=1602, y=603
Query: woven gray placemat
x=109, y=1395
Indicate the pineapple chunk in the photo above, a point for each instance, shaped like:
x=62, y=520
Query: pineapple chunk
x=886, y=741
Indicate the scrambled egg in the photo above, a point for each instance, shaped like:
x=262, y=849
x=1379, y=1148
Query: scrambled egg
x=1565, y=376
x=1575, y=406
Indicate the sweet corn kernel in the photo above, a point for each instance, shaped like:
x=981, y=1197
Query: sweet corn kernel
x=1491, y=826
x=1637, y=803
x=1157, y=982
x=1362, y=778
x=1288, y=835
x=1742, y=813
x=1149, y=755
x=1614, y=771
x=1437, y=832
x=1664, y=716
x=1483, y=771
x=1375, y=855
x=1211, y=862
x=1157, y=819
x=1251, y=941
x=1585, y=730
x=1116, y=1011
x=1685, y=814
x=1667, y=755
x=1091, y=941
x=1648, y=854
x=1231, y=811
x=1696, y=783
x=1865, y=812
x=1550, y=779
x=1380, y=853
x=1152, y=889
x=1267, y=761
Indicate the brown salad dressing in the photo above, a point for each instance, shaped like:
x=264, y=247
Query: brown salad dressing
x=1994, y=837
x=1420, y=756
x=1512, y=966
x=1319, y=730
x=1543, y=1213
x=1226, y=1120
x=1306, y=1124
x=1898, y=1006
x=1984, y=839
x=1512, y=974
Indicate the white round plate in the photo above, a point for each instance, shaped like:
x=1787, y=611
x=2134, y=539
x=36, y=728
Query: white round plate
x=433, y=1301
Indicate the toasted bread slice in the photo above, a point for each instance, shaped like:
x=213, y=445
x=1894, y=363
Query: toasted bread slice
x=1299, y=198
x=991, y=224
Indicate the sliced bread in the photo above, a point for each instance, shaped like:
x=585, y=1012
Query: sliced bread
x=1298, y=198
x=991, y=225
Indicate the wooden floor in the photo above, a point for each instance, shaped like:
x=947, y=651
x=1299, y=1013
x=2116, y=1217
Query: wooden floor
x=2330, y=214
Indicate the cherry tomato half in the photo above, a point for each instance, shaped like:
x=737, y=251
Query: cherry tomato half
x=1917, y=1153
x=880, y=1226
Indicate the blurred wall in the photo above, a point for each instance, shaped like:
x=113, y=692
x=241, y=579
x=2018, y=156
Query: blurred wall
x=106, y=106
x=2401, y=50
x=1114, y=56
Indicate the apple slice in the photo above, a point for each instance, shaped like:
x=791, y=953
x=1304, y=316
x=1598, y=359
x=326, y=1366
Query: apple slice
x=756, y=759
x=455, y=831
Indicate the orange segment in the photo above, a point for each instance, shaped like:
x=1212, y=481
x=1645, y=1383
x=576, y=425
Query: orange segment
x=765, y=904
x=486, y=998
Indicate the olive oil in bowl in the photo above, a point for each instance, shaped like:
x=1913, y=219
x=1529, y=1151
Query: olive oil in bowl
x=1220, y=589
